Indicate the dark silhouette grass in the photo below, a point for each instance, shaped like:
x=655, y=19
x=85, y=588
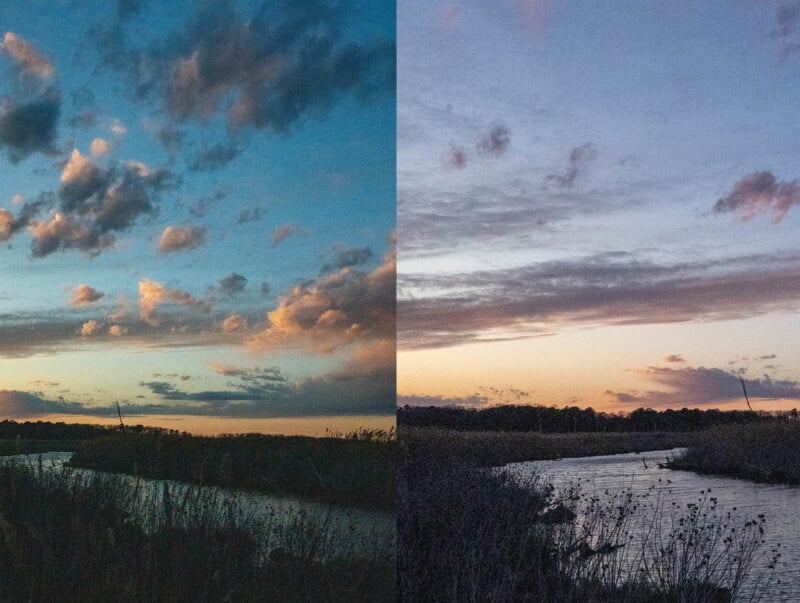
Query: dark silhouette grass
x=68, y=537
x=355, y=469
x=762, y=452
x=467, y=533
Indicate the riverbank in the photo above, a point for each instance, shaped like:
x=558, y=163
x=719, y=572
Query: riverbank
x=466, y=533
x=76, y=537
x=356, y=469
x=496, y=448
x=763, y=452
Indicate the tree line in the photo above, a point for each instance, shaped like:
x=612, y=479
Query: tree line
x=549, y=419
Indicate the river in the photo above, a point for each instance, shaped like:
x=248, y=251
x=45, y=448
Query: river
x=613, y=476
x=349, y=530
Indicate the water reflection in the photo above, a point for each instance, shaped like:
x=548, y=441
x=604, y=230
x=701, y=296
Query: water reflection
x=642, y=476
x=348, y=529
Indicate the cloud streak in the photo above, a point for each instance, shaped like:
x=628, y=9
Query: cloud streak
x=29, y=60
x=579, y=158
x=609, y=289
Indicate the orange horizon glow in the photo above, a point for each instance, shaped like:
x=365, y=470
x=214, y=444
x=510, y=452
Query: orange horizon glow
x=314, y=426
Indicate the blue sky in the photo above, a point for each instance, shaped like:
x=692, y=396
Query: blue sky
x=598, y=205
x=197, y=210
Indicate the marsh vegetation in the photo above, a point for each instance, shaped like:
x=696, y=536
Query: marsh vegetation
x=89, y=535
x=763, y=452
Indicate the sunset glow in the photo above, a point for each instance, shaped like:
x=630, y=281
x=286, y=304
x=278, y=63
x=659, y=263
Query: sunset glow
x=598, y=207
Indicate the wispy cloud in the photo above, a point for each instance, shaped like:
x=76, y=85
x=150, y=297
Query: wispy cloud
x=579, y=158
x=281, y=233
x=760, y=192
x=265, y=70
x=30, y=61
x=786, y=32
x=603, y=290
x=495, y=141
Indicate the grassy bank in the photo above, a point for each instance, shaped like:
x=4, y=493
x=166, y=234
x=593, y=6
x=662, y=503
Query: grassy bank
x=492, y=448
x=69, y=538
x=356, y=469
x=764, y=452
x=467, y=534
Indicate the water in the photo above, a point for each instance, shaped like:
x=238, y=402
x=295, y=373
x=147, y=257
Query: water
x=605, y=476
x=350, y=530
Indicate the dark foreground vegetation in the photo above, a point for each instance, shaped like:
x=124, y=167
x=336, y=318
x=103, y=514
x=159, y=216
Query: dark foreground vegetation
x=764, y=452
x=469, y=534
x=356, y=469
x=64, y=537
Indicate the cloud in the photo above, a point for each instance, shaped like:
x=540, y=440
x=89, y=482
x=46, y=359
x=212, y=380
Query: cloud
x=62, y=231
x=117, y=330
x=496, y=141
x=29, y=60
x=268, y=393
x=118, y=128
x=607, y=289
x=96, y=202
x=175, y=238
x=704, y=386
x=232, y=284
x=30, y=127
x=10, y=225
x=281, y=233
x=348, y=306
x=455, y=158
x=344, y=257
x=89, y=328
x=153, y=295
x=16, y=405
x=84, y=295
x=787, y=30
x=214, y=157
x=674, y=358
x=250, y=215
x=99, y=147
x=170, y=137
x=234, y=323
x=759, y=192
x=267, y=70
x=579, y=158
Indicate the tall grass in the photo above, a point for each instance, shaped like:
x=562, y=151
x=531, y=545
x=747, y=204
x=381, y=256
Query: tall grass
x=356, y=469
x=490, y=448
x=469, y=534
x=762, y=452
x=70, y=536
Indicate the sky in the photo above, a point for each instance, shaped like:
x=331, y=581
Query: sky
x=598, y=205
x=197, y=213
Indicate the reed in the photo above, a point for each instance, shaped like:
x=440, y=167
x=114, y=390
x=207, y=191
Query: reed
x=70, y=536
